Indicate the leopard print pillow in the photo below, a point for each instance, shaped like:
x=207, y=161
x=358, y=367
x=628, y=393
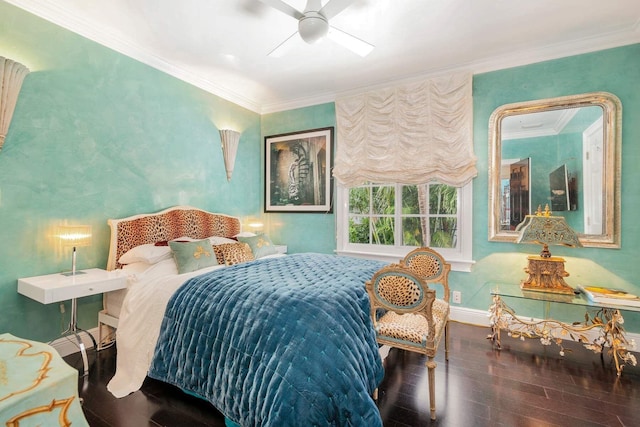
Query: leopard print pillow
x=233, y=253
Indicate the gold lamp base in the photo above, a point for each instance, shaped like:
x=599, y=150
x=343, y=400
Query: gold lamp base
x=546, y=275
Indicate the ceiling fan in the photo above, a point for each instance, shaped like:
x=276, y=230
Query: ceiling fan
x=313, y=25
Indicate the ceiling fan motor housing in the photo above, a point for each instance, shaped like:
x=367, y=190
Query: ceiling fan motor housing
x=313, y=27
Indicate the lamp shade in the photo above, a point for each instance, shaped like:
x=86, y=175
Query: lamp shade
x=74, y=235
x=229, y=140
x=254, y=225
x=547, y=230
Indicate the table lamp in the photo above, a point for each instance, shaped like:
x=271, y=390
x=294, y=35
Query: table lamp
x=546, y=272
x=74, y=236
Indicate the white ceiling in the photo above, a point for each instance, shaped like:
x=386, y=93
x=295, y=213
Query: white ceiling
x=222, y=45
x=530, y=125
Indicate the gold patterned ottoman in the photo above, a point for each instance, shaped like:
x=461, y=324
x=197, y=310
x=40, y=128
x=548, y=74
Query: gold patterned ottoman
x=37, y=387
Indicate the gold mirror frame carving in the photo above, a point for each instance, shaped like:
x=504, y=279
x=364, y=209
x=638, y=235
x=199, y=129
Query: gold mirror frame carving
x=612, y=128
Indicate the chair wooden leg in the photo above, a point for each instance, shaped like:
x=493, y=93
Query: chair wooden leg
x=446, y=341
x=431, y=367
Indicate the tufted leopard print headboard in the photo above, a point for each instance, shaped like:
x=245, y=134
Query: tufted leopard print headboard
x=178, y=221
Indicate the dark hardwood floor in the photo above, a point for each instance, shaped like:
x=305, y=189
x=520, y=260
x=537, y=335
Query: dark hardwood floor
x=524, y=384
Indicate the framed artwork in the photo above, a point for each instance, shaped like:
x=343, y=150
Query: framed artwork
x=298, y=171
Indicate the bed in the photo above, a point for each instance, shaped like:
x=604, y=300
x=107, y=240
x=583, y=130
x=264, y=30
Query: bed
x=148, y=229
x=276, y=341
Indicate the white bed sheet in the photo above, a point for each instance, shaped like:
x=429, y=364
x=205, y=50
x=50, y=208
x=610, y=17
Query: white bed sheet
x=140, y=321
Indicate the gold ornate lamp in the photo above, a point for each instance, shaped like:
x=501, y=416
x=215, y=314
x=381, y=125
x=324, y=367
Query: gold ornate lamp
x=73, y=236
x=546, y=272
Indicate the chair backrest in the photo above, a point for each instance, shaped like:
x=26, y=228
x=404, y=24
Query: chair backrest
x=400, y=290
x=430, y=266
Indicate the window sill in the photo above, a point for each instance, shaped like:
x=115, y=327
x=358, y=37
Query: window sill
x=456, y=264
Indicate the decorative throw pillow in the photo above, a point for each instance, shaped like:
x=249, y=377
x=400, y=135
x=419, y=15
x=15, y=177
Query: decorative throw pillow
x=261, y=245
x=233, y=253
x=192, y=256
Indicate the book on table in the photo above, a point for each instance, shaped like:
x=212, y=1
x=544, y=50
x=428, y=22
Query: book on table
x=604, y=295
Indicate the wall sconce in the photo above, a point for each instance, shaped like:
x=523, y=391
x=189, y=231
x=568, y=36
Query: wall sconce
x=230, y=140
x=546, y=272
x=73, y=236
x=12, y=75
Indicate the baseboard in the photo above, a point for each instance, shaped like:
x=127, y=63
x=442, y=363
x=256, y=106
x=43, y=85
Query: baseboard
x=481, y=318
x=469, y=315
x=68, y=345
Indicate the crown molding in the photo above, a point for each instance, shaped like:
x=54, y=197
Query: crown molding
x=56, y=14
x=53, y=12
x=495, y=63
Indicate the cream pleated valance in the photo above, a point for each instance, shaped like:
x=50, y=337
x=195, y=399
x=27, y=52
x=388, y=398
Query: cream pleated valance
x=412, y=133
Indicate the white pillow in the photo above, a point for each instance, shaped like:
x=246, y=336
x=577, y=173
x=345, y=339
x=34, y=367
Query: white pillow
x=136, y=267
x=185, y=239
x=148, y=253
x=217, y=240
x=246, y=234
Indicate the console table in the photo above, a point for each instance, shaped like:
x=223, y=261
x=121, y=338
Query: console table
x=598, y=330
x=59, y=287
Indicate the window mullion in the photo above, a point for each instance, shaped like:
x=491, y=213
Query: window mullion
x=371, y=222
x=427, y=238
x=398, y=216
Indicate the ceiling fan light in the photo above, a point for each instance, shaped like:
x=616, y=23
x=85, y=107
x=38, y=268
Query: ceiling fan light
x=313, y=27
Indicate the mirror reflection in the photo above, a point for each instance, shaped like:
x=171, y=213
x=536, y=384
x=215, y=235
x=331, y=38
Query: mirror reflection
x=562, y=152
x=553, y=157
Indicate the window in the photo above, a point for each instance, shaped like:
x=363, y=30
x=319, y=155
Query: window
x=388, y=220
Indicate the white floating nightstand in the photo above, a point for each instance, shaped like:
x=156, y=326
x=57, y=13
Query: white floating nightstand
x=59, y=287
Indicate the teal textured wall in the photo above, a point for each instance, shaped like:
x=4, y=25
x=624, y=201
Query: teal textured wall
x=301, y=232
x=613, y=70
x=97, y=135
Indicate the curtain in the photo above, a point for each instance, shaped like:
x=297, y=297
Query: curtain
x=12, y=75
x=412, y=133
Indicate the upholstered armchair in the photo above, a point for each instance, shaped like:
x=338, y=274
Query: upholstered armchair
x=407, y=315
x=432, y=267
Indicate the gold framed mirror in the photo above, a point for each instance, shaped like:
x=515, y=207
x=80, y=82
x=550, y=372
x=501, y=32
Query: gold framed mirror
x=564, y=152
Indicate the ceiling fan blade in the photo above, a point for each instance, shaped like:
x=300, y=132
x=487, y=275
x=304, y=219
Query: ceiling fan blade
x=284, y=47
x=284, y=8
x=354, y=44
x=334, y=7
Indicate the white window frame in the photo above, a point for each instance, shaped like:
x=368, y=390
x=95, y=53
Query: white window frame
x=460, y=257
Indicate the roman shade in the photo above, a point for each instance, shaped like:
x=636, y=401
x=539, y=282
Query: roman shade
x=412, y=133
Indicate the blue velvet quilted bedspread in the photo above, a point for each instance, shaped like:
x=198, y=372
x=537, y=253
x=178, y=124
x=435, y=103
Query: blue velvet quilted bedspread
x=276, y=342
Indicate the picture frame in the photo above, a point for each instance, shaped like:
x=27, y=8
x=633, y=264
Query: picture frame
x=298, y=171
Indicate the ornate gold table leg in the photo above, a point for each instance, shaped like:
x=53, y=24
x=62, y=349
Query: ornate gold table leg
x=495, y=316
x=608, y=321
x=614, y=337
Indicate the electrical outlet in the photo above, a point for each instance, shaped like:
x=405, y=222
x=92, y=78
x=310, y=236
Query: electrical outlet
x=457, y=297
x=62, y=307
